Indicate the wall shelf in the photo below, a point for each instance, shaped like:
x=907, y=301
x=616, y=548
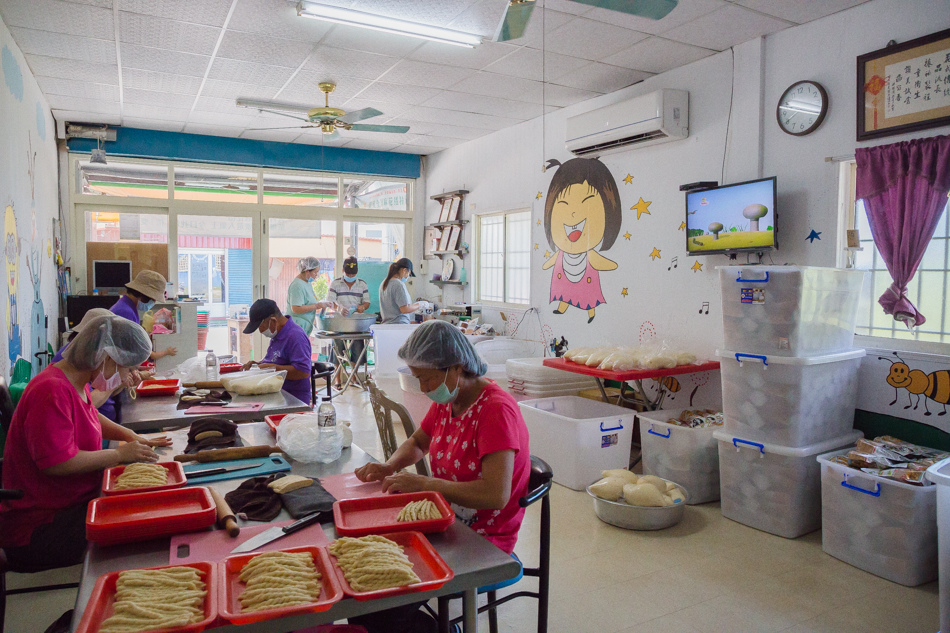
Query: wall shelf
x=449, y=194
x=451, y=283
x=442, y=225
x=458, y=252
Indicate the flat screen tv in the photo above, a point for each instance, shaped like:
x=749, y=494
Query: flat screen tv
x=110, y=275
x=732, y=218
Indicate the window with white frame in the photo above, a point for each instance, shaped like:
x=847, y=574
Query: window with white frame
x=503, y=257
x=929, y=290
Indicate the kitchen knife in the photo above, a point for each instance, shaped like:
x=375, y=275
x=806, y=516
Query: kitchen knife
x=275, y=533
x=219, y=471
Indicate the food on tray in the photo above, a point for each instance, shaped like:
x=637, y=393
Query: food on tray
x=141, y=476
x=698, y=418
x=372, y=562
x=207, y=434
x=149, y=599
x=647, y=491
x=651, y=355
x=656, y=482
x=626, y=475
x=279, y=579
x=289, y=483
x=422, y=510
x=677, y=495
x=254, y=382
x=609, y=487
x=892, y=458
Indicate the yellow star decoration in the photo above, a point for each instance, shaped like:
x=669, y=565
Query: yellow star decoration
x=539, y=222
x=538, y=197
x=627, y=235
x=683, y=226
x=697, y=267
x=641, y=207
x=655, y=253
x=628, y=179
x=547, y=253
x=536, y=246
x=623, y=292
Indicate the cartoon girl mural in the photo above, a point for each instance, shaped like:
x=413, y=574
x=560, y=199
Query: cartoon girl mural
x=11, y=249
x=581, y=213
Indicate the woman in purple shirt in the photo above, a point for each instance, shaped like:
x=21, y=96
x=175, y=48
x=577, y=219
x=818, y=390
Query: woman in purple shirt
x=145, y=290
x=289, y=348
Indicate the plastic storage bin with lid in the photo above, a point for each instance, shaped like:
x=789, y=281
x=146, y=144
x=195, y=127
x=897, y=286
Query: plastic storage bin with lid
x=578, y=438
x=939, y=473
x=789, y=401
x=688, y=456
x=883, y=526
x=773, y=488
x=789, y=310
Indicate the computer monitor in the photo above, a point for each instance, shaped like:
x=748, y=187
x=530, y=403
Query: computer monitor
x=111, y=275
x=732, y=218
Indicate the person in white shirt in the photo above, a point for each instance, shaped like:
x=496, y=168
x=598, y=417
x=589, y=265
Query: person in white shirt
x=352, y=294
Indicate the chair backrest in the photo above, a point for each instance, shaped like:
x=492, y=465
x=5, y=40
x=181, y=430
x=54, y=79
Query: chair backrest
x=6, y=407
x=22, y=371
x=539, y=482
x=383, y=409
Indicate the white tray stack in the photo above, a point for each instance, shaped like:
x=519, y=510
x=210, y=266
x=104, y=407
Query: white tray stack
x=530, y=378
x=789, y=385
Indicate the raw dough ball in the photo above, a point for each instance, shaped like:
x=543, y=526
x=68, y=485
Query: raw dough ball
x=609, y=488
x=655, y=481
x=667, y=500
x=677, y=496
x=643, y=495
x=685, y=358
x=627, y=476
x=670, y=486
x=598, y=356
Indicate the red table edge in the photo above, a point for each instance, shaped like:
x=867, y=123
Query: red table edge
x=634, y=374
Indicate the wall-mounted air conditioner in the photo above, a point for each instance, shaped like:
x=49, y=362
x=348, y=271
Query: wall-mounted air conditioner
x=650, y=119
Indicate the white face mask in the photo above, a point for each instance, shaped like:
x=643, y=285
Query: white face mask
x=269, y=333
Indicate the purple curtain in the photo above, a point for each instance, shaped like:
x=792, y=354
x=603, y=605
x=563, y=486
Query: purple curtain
x=904, y=187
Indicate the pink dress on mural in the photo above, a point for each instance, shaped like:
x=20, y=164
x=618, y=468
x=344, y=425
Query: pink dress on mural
x=576, y=282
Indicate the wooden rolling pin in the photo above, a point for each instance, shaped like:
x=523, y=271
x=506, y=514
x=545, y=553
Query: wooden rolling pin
x=213, y=384
x=226, y=519
x=227, y=454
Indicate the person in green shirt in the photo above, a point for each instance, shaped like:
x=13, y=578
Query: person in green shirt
x=302, y=304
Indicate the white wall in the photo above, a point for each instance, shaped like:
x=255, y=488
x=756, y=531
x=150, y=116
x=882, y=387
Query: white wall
x=29, y=203
x=503, y=171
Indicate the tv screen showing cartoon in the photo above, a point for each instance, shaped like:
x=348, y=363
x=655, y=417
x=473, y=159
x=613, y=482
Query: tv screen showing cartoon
x=739, y=217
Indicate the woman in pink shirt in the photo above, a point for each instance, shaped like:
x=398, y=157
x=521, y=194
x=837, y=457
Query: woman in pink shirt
x=476, y=440
x=54, y=451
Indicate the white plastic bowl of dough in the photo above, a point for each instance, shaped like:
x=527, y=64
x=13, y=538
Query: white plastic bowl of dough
x=629, y=517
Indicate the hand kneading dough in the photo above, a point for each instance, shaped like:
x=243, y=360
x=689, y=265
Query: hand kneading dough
x=626, y=475
x=643, y=495
x=659, y=484
x=609, y=488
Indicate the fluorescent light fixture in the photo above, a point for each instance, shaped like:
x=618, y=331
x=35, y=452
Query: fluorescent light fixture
x=363, y=20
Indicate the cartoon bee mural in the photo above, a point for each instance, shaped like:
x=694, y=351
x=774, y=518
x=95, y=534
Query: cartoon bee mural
x=933, y=386
x=671, y=384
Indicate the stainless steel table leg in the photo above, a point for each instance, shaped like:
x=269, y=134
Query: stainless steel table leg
x=603, y=393
x=470, y=611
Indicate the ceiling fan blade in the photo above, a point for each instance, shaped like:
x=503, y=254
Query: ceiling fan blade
x=289, y=116
x=392, y=129
x=651, y=9
x=293, y=127
x=271, y=105
x=359, y=115
x=514, y=21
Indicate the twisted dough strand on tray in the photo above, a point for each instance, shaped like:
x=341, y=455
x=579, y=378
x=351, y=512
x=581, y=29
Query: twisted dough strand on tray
x=373, y=562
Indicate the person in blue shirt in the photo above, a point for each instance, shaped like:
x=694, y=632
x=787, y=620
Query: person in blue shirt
x=289, y=348
x=142, y=293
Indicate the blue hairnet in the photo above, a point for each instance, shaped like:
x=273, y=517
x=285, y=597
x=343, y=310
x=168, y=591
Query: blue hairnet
x=122, y=340
x=438, y=345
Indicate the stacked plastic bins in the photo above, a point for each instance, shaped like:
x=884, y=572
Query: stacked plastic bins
x=789, y=384
x=688, y=456
x=940, y=474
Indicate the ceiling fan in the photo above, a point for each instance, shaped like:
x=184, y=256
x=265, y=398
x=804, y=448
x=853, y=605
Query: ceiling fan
x=327, y=119
x=518, y=12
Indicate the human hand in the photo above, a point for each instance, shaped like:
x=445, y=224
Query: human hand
x=136, y=452
x=248, y=365
x=404, y=481
x=373, y=472
x=170, y=351
x=360, y=309
x=344, y=311
x=160, y=441
x=267, y=366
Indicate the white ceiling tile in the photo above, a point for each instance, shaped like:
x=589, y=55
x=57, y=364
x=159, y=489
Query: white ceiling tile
x=78, y=104
x=104, y=4
x=567, y=6
x=355, y=38
x=223, y=108
x=378, y=146
x=658, y=54
x=69, y=69
x=425, y=74
x=152, y=124
x=467, y=102
x=463, y=119
x=76, y=88
x=133, y=78
x=318, y=138
x=434, y=13
x=305, y=88
x=235, y=89
x=160, y=112
x=437, y=141
x=477, y=58
x=685, y=11
x=161, y=60
x=85, y=49
x=278, y=18
x=602, y=78
x=213, y=130
x=86, y=117
x=238, y=117
x=450, y=131
x=563, y=96
x=501, y=86
x=726, y=27
x=154, y=98
x=185, y=37
x=590, y=39
x=389, y=109
x=278, y=136
x=481, y=17
x=210, y=12
x=382, y=91
x=261, y=74
x=551, y=20
x=527, y=63
x=417, y=149
x=59, y=17
x=335, y=63
x=800, y=11
x=251, y=47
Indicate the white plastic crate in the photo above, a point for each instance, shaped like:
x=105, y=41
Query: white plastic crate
x=387, y=339
x=686, y=456
x=789, y=310
x=885, y=527
x=773, y=488
x=789, y=401
x=939, y=473
x=578, y=437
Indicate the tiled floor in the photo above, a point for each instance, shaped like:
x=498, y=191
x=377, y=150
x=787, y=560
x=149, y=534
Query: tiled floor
x=706, y=575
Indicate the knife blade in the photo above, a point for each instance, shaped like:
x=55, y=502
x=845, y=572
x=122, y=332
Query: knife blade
x=275, y=533
x=218, y=471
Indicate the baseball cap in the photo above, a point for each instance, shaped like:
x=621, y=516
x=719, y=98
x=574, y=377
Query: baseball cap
x=405, y=263
x=350, y=265
x=260, y=310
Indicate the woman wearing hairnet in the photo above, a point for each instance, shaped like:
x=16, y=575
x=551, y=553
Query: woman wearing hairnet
x=54, y=451
x=476, y=439
x=302, y=304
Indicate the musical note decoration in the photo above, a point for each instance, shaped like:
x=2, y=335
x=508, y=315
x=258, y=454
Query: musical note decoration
x=673, y=263
x=655, y=253
x=706, y=306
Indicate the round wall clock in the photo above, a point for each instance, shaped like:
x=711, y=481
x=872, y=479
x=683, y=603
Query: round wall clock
x=802, y=108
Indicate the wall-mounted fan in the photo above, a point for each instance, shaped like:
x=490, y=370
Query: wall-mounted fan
x=328, y=119
x=518, y=12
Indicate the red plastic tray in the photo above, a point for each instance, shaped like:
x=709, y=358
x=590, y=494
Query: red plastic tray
x=633, y=374
x=158, y=387
x=148, y=515
x=147, y=365
x=103, y=596
x=273, y=421
x=176, y=479
x=228, y=368
x=231, y=588
x=433, y=572
x=377, y=515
